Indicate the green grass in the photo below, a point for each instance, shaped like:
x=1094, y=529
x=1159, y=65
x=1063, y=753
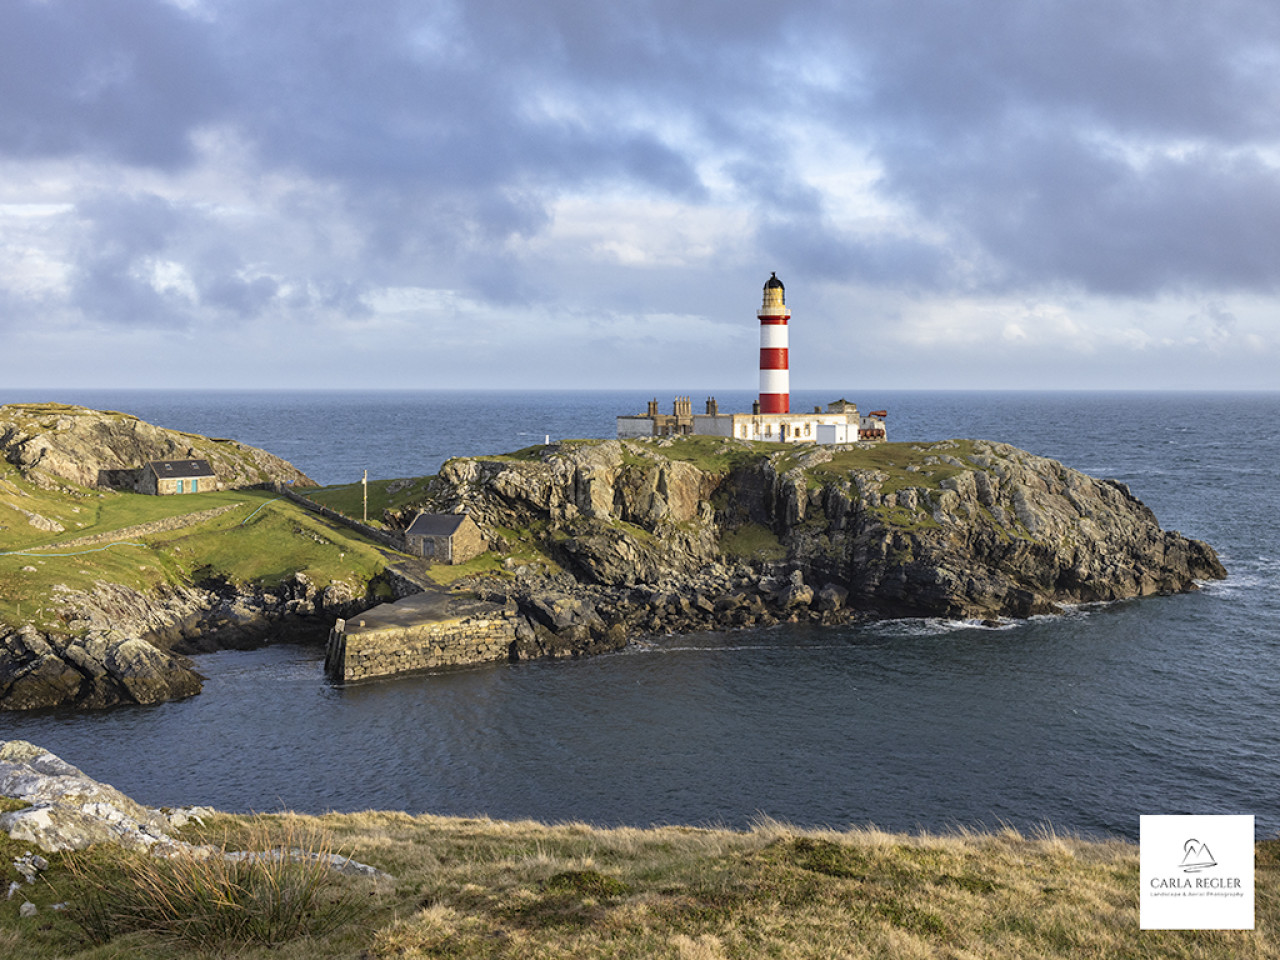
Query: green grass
x=717, y=454
x=909, y=521
x=278, y=540
x=486, y=890
x=86, y=512
x=894, y=459
x=751, y=541
x=348, y=498
x=533, y=454
x=263, y=541
x=487, y=564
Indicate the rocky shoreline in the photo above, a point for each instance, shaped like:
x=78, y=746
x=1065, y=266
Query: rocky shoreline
x=605, y=543
x=124, y=646
x=558, y=616
x=958, y=529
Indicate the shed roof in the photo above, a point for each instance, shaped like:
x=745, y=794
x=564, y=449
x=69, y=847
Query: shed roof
x=436, y=524
x=180, y=469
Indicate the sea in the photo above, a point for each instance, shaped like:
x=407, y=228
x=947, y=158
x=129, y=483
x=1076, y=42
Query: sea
x=1079, y=723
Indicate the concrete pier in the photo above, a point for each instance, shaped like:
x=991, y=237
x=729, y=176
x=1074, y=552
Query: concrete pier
x=427, y=631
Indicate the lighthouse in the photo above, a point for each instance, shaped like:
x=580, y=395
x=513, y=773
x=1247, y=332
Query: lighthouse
x=775, y=382
x=770, y=419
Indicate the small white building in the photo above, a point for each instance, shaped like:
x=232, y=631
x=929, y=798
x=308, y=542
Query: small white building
x=838, y=423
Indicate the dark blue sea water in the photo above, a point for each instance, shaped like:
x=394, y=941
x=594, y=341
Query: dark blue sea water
x=1084, y=721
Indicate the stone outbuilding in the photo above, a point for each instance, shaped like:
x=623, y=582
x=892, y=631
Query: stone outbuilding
x=164, y=477
x=445, y=537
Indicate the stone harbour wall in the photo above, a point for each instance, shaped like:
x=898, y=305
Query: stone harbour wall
x=364, y=654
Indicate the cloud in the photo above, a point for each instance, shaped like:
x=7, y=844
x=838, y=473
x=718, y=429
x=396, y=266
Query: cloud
x=1118, y=147
x=279, y=164
x=126, y=80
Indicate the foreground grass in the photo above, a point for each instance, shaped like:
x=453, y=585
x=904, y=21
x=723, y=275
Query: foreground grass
x=484, y=889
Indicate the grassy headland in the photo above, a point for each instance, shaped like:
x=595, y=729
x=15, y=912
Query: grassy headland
x=259, y=539
x=467, y=888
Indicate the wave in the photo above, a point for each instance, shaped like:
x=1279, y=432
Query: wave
x=1245, y=576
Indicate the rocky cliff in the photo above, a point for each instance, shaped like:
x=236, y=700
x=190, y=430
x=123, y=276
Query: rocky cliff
x=698, y=531
x=54, y=442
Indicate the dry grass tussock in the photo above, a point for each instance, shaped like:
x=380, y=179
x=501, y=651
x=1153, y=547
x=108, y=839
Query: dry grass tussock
x=476, y=888
x=273, y=885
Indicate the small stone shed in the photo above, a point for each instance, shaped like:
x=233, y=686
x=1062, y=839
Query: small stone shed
x=445, y=537
x=164, y=477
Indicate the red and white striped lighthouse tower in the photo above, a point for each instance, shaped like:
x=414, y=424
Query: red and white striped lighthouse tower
x=775, y=381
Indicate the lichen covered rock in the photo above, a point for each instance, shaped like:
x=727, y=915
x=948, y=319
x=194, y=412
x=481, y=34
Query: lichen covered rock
x=53, y=443
x=67, y=809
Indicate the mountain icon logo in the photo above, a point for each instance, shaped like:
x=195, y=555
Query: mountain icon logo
x=1196, y=857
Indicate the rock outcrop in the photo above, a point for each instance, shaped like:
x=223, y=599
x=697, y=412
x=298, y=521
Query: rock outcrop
x=53, y=443
x=98, y=670
x=68, y=810
x=123, y=644
x=690, y=533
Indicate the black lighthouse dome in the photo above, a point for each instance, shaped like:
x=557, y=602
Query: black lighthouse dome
x=774, y=291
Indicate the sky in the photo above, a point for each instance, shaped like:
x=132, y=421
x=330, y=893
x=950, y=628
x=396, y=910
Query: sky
x=1005, y=194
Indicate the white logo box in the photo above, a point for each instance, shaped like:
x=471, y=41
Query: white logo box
x=1197, y=872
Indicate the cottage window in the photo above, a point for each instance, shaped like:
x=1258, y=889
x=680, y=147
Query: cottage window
x=177, y=486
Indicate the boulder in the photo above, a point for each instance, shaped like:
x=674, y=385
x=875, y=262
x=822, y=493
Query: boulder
x=69, y=810
x=832, y=597
x=98, y=670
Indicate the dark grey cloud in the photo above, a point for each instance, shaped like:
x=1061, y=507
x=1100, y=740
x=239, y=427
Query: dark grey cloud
x=1138, y=65
x=143, y=261
x=384, y=93
x=1106, y=146
x=127, y=79
x=1046, y=135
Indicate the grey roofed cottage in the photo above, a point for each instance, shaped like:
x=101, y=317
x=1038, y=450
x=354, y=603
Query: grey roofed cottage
x=162, y=477
x=445, y=537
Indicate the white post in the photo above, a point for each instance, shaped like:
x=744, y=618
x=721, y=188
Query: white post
x=365, y=484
